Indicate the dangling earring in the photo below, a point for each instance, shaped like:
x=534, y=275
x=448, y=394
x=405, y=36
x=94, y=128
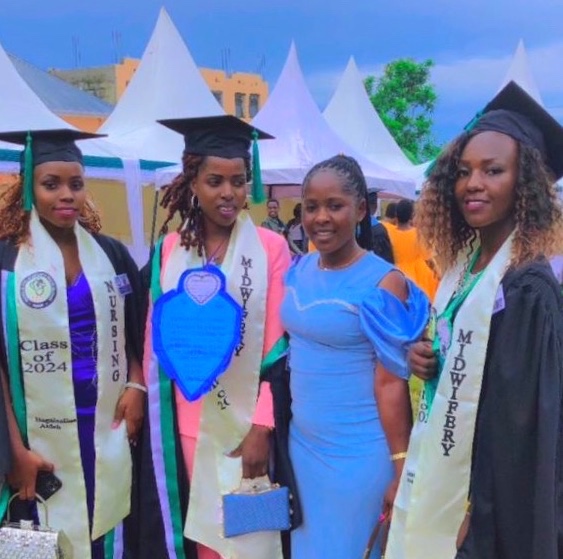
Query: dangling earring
x=194, y=217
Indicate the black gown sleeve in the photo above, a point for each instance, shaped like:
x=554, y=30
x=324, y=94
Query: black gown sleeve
x=8, y=254
x=517, y=475
x=5, y=449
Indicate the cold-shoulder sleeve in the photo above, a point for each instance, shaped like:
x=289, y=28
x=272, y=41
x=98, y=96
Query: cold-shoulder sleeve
x=392, y=325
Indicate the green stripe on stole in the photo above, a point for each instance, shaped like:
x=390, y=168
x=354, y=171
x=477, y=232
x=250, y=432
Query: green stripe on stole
x=14, y=372
x=276, y=353
x=14, y=363
x=108, y=544
x=167, y=426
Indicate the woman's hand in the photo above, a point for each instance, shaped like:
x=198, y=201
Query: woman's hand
x=422, y=360
x=463, y=529
x=130, y=407
x=23, y=477
x=389, y=497
x=254, y=449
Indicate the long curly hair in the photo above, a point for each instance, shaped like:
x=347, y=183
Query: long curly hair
x=537, y=211
x=14, y=221
x=179, y=199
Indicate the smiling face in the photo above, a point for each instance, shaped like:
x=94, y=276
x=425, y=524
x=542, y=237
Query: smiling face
x=220, y=187
x=486, y=183
x=273, y=209
x=331, y=215
x=59, y=192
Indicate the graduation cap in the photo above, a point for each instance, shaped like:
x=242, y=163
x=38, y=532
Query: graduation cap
x=43, y=146
x=515, y=113
x=222, y=136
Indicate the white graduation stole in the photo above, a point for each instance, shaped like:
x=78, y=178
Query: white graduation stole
x=228, y=409
x=46, y=361
x=430, y=503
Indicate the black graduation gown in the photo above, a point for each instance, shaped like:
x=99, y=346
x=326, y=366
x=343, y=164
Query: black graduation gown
x=5, y=451
x=134, y=312
x=517, y=470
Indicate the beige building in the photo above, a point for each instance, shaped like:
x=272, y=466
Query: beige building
x=240, y=94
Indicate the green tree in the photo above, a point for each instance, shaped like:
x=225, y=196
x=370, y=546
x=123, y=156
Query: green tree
x=405, y=99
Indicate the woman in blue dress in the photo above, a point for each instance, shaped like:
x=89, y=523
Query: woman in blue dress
x=350, y=316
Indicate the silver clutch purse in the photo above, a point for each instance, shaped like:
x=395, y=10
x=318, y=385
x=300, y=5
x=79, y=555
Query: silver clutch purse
x=24, y=540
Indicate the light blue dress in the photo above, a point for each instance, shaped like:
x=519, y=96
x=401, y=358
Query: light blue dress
x=340, y=324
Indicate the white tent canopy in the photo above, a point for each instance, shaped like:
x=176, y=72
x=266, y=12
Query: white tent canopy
x=167, y=84
x=21, y=109
x=303, y=137
x=352, y=116
x=520, y=72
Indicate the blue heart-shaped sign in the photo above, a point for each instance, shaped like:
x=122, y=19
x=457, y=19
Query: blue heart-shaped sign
x=196, y=329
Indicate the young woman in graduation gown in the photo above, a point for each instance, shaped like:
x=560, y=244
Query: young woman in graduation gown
x=70, y=348
x=483, y=477
x=203, y=438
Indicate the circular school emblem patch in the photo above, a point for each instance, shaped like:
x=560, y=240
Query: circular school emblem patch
x=38, y=290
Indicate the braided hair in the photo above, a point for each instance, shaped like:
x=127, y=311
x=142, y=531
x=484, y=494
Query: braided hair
x=179, y=199
x=353, y=183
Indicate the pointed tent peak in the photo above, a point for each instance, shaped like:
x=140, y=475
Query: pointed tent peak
x=352, y=67
x=167, y=84
x=520, y=72
x=352, y=116
x=21, y=107
x=292, y=60
x=164, y=21
x=291, y=92
x=303, y=137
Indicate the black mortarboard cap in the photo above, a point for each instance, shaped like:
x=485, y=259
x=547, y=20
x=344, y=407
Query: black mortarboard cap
x=222, y=136
x=43, y=146
x=517, y=114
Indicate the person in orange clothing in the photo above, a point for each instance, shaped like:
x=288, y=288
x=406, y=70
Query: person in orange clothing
x=389, y=220
x=410, y=256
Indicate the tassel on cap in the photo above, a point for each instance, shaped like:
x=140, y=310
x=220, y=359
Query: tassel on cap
x=470, y=125
x=28, y=174
x=257, y=192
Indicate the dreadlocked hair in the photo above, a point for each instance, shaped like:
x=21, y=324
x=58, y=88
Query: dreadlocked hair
x=179, y=199
x=538, y=215
x=14, y=221
x=354, y=183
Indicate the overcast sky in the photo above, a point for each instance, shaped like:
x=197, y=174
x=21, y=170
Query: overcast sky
x=471, y=41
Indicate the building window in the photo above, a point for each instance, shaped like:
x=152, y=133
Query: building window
x=219, y=96
x=240, y=99
x=253, y=104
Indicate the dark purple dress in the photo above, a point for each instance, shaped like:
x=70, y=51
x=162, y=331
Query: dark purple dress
x=82, y=323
